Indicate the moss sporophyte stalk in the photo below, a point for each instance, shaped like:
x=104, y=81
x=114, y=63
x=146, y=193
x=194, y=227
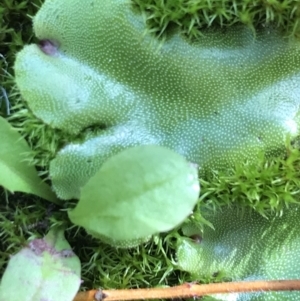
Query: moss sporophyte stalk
x=215, y=81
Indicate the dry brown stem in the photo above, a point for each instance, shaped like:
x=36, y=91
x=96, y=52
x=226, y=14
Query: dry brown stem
x=188, y=290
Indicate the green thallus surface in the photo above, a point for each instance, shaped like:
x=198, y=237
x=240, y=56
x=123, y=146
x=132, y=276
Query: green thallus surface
x=244, y=246
x=217, y=101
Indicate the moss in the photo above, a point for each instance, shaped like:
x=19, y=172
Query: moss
x=192, y=16
x=268, y=186
x=15, y=32
x=154, y=263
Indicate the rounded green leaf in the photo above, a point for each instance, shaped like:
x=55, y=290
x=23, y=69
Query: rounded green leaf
x=136, y=193
x=45, y=270
x=122, y=244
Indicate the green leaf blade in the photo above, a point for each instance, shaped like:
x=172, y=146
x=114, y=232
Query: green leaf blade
x=46, y=269
x=15, y=173
x=139, y=192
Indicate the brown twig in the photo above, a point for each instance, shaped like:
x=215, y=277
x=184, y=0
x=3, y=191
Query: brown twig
x=188, y=290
